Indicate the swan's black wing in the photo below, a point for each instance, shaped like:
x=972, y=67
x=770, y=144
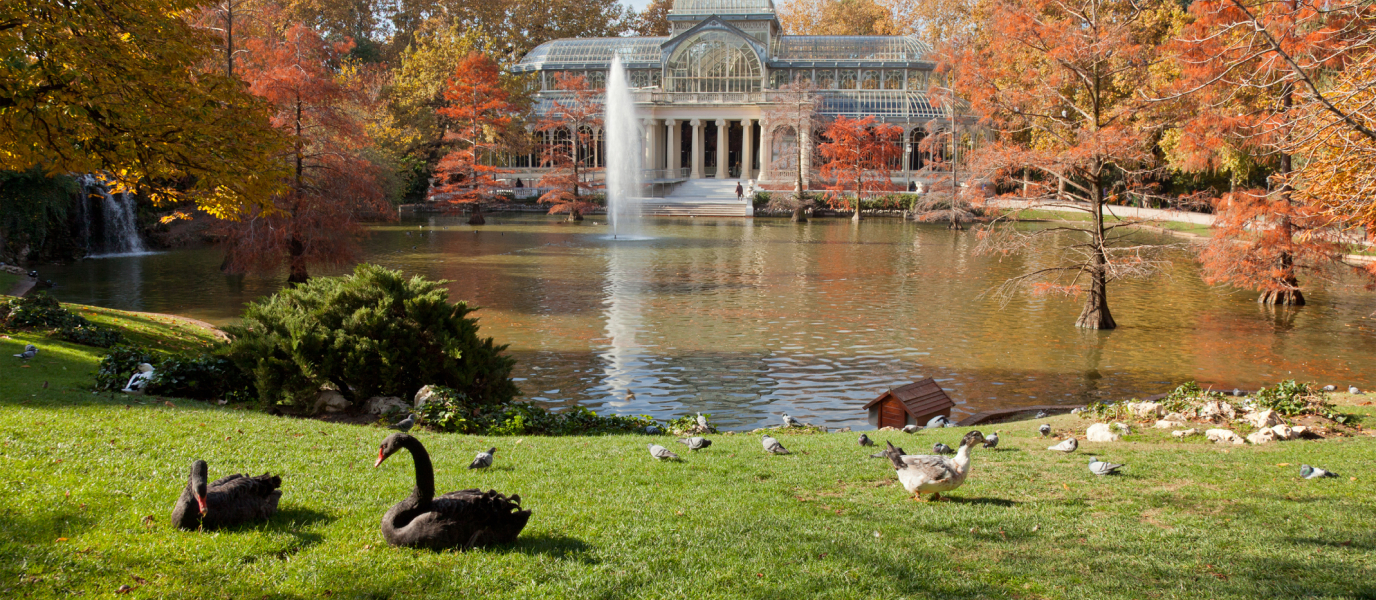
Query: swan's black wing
x=239, y=499
x=464, y=519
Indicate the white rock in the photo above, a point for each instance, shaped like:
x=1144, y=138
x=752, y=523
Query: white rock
x=1184, y=433
x=1263, y=419
x=1299, y=431
x=1175, y=416
x=331, y=401
x=1262, y=436
x=1168, y=424
x=1101, y=432
x=1143, y=410
x=1283, y=432
x=1217, y=410
x=380, y=404
x=424, y=395
x=1224, y=436
x=1122, y=427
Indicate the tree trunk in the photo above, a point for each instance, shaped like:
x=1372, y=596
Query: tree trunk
x=1290, y=295
x=799, y=214
x=296, y=262
x=1096, y=314
x=476, y=217
x=575, y=215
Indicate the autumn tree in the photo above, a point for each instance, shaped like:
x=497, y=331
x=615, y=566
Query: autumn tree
x=570, y=124
x=330, y=185
x=859, y=154
x=115, y=87
x=1059, y=82
x=796, y=107
x=654, y=20
x=838, y=17
x=1339, y=154
x=480, y=109
x=1248, y=71
x=945, y=144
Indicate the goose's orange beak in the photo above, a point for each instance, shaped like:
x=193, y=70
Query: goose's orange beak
x=380, y=457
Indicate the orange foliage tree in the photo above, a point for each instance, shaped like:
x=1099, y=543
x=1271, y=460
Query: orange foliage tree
x=1059, y=81
x=1339, y=173
x=480, y=108
x=859, y=157
x=1248, y=71
x=570, y=123
x=330, y=185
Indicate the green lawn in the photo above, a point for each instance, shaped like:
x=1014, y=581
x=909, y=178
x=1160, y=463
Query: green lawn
x=1077, y=216
x=90, y=480
x=7, y=281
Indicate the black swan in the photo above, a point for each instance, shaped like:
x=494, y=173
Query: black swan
x=461, y=519
x=228, y=501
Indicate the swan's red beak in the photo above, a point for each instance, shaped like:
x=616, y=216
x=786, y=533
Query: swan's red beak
x=201, y=502
x=380, y=457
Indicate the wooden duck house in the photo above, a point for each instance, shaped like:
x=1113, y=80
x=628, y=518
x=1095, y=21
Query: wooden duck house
x=912, y=404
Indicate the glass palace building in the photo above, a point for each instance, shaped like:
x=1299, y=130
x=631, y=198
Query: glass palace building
x=705, y=92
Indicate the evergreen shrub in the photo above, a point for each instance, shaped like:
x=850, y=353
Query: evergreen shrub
x=372, y=333
x=450, y=410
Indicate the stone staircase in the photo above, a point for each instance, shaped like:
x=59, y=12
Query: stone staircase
x=699, y=198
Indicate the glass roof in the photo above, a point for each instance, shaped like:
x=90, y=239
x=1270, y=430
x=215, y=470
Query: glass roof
x=722, y=7
x=590, y=52
x=878, y=48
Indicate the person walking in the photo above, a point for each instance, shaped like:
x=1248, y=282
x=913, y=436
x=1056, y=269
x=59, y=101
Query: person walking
x=740, y=192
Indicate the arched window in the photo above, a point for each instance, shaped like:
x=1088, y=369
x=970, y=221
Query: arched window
x=713, y=61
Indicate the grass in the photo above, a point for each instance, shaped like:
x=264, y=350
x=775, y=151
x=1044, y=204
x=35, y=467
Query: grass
x=7, y=281
x=90, y=480
x=1077, y=216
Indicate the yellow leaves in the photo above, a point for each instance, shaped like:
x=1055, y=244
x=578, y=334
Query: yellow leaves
x=175, y=216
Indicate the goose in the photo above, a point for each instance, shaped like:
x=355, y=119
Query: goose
x=227, y=501
x=461, y=519
x=934, y=474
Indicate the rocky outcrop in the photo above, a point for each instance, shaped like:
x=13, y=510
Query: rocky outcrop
x=1224, y=436
x=1101, y=432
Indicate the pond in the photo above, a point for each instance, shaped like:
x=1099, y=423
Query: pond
x=749, y=319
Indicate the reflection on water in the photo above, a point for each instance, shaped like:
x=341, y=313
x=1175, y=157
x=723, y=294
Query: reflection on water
x=746, y=320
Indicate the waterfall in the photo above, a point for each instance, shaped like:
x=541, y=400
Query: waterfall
x=119, y=231
x=624, y=153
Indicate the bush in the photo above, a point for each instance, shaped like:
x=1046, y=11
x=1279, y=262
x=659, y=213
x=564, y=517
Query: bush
x=760, y=200
x=1291, y=398
x=373, y=333
x=92, y=335
x=198, y=377
x=41, y=311
x=452, y=411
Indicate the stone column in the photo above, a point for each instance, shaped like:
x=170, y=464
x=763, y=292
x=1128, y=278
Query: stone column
x=747, y=147
x=673, y=160
x=697, y=149
x=721, y=148
x=647, y=148
x=766, y=150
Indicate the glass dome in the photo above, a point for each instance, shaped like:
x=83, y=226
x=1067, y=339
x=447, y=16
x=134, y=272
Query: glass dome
x=589, y=53
x=713, y=61
x=869, y=48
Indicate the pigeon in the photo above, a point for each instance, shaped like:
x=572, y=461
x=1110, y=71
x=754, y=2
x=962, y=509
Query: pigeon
x=1098, y=467
x=911, y=428
x=1309, y=472
x=1330, y=388
x=940, y=448
x=772, y=445
x=1076, y=411
x=1123, y=427
x=1045, y=429
x=404, y=424
x=483, y=460
x=791, y=422
x=651, y=430
x=939, y=421
x=702, y=422
x=866, y=441
x=1237, y=392
x=1041, y=414
x=661, y=452
x=30, y=351
x=992, y=440
x=696, y=443
x=1352, y=389
x=1067, y=446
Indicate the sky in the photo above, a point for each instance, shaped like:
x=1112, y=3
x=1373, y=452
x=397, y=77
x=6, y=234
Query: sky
x=638, y=5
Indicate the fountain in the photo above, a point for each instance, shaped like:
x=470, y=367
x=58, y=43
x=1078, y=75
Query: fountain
x=119, y=225
x=624, y=154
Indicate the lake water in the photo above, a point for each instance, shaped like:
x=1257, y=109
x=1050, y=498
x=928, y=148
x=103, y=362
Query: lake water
x=749, y=319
